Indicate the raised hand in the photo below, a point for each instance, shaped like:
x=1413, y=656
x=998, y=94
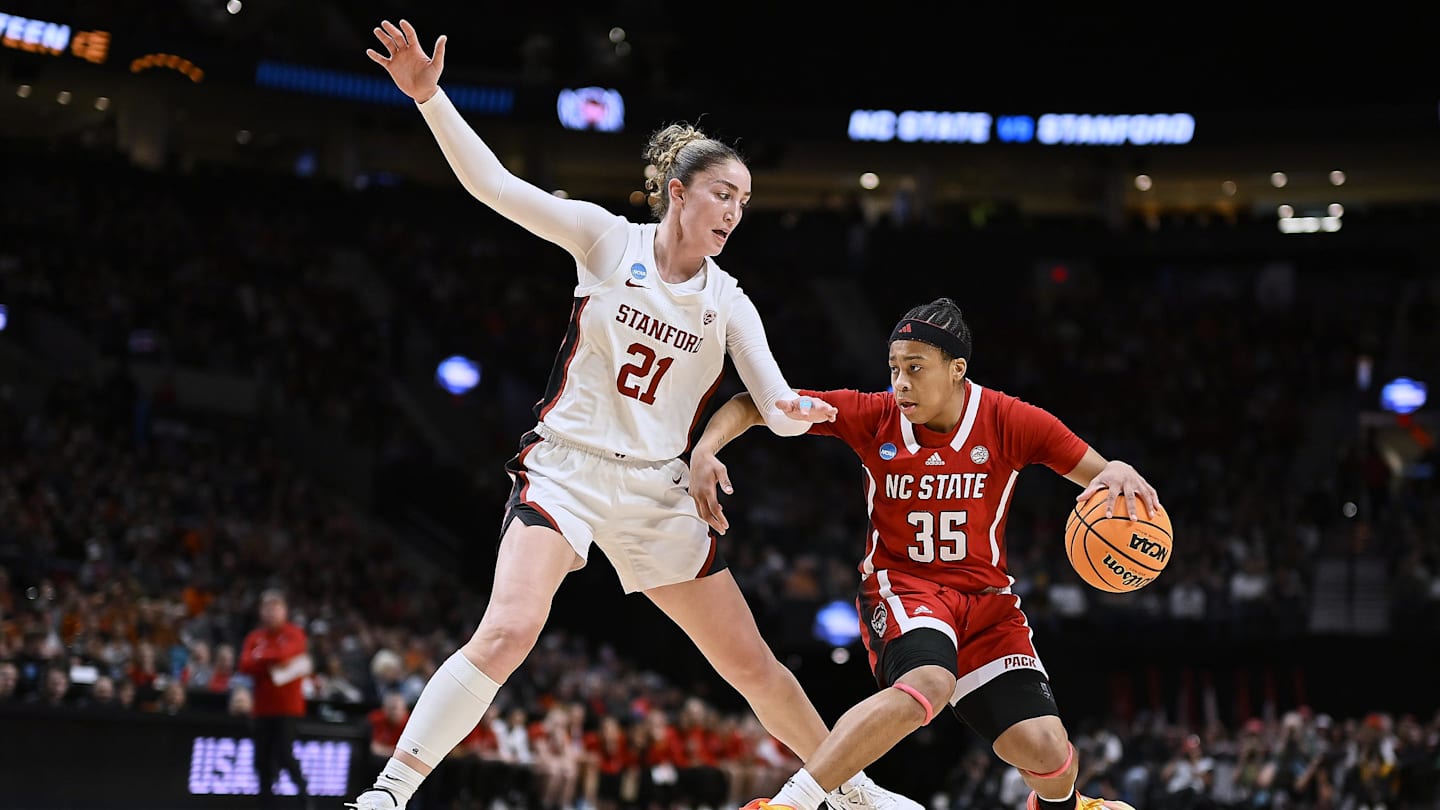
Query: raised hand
x=417, y=75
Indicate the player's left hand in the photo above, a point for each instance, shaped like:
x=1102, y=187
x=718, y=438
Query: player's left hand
x=1123, y=480
x=807, y=409
x=706, y=474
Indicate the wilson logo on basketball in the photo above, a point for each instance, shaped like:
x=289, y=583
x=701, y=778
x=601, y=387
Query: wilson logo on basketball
x=1148, y=547
x=1128, y=578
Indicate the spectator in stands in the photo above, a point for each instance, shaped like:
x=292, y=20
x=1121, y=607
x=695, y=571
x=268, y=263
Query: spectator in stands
x=1188, y=776
x=386, y=723
x=512, y=735
x=173, y=698
x=773, y=762
x=701, y=782
x=613, y=778
x=54, y=692
x=476, y=774
x=223, y=671
x=661, y=752
x=125, y=694
x=199, y=667
x=558, y=758
x=334, y=685
x=9, y=681
x=241, y=702
x=35, y=655
x=102, y=694
x=1372, y=778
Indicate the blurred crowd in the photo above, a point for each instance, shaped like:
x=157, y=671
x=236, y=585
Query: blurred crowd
x=136, y=535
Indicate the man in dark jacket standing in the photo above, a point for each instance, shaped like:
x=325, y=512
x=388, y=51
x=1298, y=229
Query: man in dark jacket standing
x=275, y=656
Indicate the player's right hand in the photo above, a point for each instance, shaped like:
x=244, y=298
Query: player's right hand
x=417, y=75
x=706, y=474
x=807, y=409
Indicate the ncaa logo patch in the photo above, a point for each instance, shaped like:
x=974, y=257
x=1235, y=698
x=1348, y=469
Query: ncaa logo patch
x=709, y=317
x=887, y=451
x=979, y=454
x=638, y=271
x=878, y=620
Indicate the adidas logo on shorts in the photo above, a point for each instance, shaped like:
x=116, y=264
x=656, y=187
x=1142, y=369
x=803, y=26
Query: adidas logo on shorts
x=934, y=461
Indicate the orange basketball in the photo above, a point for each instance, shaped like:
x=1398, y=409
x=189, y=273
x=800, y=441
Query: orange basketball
x=1114, y=553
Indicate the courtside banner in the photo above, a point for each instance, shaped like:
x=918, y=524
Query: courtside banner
x=77, y=758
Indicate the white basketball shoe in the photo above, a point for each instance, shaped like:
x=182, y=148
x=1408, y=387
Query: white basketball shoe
x=864, y=794
x=376, y=799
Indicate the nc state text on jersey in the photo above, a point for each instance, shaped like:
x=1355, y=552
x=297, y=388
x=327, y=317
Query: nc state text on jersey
x=937, y=487
x=658, y=329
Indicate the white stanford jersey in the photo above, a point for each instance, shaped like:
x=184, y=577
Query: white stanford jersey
x=639, y=360
x=938, y=503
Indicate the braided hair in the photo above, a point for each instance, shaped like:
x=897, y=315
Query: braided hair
x=945, y=314
x=680, y=151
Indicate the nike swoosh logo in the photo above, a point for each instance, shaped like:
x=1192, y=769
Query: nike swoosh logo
x=631, y=283
x=677, y=479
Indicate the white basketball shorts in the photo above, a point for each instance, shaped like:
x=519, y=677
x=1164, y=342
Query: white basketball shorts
x=639, y=513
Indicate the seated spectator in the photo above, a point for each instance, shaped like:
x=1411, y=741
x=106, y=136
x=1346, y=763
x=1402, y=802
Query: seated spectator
x=613, y=778
x=473, y=773
x=54, y=692
x=701, y=780
x=9, y=681
x=241, y=702
x=103, y=694
x=173, y=698
x=558, y=758
x=199, y=669
x=386, y=724
x=661, y=753
x=333, y=684
x=223, y=671
x=512, y=736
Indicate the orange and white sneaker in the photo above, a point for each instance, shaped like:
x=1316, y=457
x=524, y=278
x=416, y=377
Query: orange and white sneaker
x=1083, y=803
x=764, y=804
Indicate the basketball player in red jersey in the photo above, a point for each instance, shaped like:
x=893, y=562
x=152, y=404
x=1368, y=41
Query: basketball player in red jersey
x=652, y=321
x=941, y=455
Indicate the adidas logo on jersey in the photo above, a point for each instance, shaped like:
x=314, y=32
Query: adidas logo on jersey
x=921, y=610
x=934, y=461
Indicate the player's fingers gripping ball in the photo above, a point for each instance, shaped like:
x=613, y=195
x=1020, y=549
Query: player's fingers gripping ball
x=1114, y=553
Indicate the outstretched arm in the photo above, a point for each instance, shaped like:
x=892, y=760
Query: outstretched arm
x=779, y=405
x=577, y=226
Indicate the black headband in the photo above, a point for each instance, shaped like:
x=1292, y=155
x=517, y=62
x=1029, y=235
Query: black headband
x=926, y=332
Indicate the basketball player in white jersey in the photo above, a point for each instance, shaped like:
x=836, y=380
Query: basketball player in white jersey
x=653, y=319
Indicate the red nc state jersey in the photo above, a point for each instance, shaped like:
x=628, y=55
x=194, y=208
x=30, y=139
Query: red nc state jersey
x=938, y=502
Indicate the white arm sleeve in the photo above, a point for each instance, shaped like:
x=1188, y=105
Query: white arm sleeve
x=750, y=350
x=594, y=236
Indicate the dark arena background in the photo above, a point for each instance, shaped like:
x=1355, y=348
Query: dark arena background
x=254, y=334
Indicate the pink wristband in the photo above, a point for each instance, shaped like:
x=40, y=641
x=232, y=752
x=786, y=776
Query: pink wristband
x=1069, y=758
x=915, y=693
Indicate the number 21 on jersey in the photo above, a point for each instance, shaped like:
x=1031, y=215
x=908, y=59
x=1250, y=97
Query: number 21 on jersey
x=939, y=536
x=632, y=375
